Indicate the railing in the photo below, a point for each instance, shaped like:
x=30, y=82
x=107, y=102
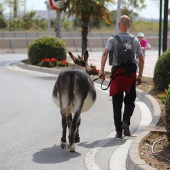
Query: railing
x=19, y=41
x=63, y=34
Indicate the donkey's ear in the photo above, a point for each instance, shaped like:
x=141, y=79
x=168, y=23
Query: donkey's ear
x=74, y=58
x=79, y=57
x=86, y=55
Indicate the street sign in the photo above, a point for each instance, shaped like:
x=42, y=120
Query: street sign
x=55, y=4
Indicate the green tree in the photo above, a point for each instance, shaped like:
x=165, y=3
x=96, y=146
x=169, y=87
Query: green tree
x=14, y=5
x=1, y=9
x=66, y=24
x=3, y=23
x=28, y=20
x=132, y=7
x=86, y=11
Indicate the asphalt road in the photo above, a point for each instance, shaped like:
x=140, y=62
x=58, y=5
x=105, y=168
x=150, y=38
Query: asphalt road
x=30, y=124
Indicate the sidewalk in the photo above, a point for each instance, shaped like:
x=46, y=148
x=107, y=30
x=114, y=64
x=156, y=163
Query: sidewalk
x=150, y=61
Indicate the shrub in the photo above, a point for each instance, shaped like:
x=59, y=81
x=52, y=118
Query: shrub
x=46, y=47
x=165, y=97
x=162, y=71
x=3, y=23
x=167, y=109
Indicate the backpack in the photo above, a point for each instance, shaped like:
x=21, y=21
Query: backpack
x=125, y=54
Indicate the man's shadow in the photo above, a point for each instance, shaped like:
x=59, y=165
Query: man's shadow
x=53, y=155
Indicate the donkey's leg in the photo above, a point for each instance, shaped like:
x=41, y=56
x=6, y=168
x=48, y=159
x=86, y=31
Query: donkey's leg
x=73, y=130
x=77, y=137
x=69, y=123
x=63, y=110
x=64, y=126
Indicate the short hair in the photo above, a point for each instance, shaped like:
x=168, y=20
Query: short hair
x=124, y=20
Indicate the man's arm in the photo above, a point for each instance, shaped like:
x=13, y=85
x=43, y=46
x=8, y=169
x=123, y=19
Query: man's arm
x=103, y=62
x=141, y=66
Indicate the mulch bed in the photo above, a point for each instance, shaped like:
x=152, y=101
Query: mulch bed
x=154, y=150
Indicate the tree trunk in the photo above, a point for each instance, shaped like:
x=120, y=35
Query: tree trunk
x=15, y=8
x=85, y=23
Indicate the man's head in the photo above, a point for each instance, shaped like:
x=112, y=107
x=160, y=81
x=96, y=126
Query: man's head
x=124, y=23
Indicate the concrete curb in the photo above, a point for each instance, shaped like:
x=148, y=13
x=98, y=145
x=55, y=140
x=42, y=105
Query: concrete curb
x=37, y=68
x=133, y=162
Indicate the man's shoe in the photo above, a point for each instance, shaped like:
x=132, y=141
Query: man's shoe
x=118, y=135
x=125, y=127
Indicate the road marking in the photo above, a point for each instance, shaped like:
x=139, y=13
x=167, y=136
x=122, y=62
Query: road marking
x=90, y=156
x=118, y=158
x=16, y=68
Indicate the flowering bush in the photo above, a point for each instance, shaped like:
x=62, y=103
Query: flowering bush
x=63, y=63
x=163, y=96
x=94, y=70
x=53, y=62
x=47, y=62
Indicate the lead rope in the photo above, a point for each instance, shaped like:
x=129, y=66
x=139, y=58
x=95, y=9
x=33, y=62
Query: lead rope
x=110, y=80
x=102, y=83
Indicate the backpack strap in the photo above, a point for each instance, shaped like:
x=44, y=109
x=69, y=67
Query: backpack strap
x=118, y=39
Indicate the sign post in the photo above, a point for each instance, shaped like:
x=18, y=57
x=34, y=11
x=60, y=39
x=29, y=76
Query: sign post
x=54, y=6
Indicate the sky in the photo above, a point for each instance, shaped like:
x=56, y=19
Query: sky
x=151, y=11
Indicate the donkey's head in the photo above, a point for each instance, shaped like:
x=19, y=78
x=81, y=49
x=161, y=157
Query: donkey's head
x=81, y=61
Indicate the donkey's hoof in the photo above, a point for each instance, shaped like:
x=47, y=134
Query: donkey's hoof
x=77, y=139
x=72, y=148
x=63, y=144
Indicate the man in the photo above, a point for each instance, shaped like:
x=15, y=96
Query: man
x=123, y=81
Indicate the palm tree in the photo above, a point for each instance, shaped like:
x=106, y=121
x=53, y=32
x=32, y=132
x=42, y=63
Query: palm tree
x=14, y=4
x=87, y=10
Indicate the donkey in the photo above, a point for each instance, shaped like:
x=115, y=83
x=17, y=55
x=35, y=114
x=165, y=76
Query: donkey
x=73, y=93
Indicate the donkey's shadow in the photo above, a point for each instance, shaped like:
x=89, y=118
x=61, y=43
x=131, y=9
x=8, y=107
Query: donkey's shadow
x=53, y=155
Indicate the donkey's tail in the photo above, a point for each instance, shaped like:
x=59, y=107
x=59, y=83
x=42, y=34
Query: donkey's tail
x=68, y=109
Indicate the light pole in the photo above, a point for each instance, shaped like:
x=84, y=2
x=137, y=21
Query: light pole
x=160, y=28
x=10, y=17
x=118, y=13
x=165, y=27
